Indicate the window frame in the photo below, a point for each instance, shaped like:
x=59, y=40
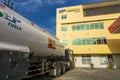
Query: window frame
x=64, y=29
x=64, y=16
x=105, y=58
x=86, y=59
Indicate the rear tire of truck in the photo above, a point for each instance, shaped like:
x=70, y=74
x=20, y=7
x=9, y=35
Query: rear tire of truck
x=63, y=69
x=58, y=71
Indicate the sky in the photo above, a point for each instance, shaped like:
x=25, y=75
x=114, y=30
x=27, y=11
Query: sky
x=43, y=12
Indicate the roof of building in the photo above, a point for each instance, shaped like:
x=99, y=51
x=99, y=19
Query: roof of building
x=101, y=4
x=115, y=27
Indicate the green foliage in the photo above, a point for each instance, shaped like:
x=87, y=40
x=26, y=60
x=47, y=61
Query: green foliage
x=92, y=65
x=110, y=66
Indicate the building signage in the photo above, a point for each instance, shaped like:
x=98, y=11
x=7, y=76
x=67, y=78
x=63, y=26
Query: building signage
x=70, y=10
x=61, y=11
x=73, y=10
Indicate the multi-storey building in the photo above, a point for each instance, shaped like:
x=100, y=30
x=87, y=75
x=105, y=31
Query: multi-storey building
x=84, y=29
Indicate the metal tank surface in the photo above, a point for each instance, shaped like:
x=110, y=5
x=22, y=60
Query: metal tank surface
x=18, y=30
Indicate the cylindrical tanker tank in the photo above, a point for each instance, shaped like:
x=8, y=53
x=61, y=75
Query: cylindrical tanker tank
x=18, y=30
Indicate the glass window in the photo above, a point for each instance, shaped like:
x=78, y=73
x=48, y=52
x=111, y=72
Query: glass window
x=64, y=29
x=86, y=59
x=73, y=28
x=97, y=26
x=74, y=42
x=99, y=41
x=78, y=27
x=94, y=41
x=65, y=42
x=104, y=41
x=82, y=27
x=86, y=26
x=64, y=17
x=103, y=60
x=83, y=41
x=91, y=26
x=101, y=26
x=88, y=41
x=78, y=41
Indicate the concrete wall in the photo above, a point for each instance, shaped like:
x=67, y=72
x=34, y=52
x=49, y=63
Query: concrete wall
x=116, y=59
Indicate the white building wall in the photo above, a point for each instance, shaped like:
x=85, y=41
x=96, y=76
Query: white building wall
x=78, y=62
x=95, y=59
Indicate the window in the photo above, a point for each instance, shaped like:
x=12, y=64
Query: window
x=64, y=29
x=104, y=41
x=73, y=27
x=83, y=41
x=74, y=42
x=82, y=27
x=101, y=26
x=99, y=41
x=64, y=17
x=91, y=26
x=65, y=42
x=86, y=26
x=79, y=42
x=94, y=41
x=89, y=41
x=103, y=60
x=78, y=27
x=86, y=59
x=97, y=26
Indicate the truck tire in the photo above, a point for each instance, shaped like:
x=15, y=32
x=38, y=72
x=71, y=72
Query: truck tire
x=63, y=69
x=58, y=71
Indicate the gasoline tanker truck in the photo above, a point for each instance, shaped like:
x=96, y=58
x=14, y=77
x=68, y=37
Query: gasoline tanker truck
x=26, y=50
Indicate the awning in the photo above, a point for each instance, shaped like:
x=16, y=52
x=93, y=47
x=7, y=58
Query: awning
x=115, y=27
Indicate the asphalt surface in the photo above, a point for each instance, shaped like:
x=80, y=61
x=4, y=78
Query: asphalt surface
x=85, y=74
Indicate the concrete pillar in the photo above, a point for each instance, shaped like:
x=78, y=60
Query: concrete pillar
x=116, y=59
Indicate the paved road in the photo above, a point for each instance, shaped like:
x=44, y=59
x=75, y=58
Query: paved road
x=85, y=74
x=90, y=74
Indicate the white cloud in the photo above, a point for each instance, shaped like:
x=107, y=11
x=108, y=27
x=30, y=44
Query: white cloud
x=29, y=5
x=35, y=5
x=56, y=2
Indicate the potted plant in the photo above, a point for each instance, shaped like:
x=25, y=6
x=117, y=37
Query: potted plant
x=110, y=66
x=91, y=65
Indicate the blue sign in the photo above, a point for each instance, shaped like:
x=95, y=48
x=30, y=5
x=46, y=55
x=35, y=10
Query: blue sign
x=61, y=11
x=11, y=18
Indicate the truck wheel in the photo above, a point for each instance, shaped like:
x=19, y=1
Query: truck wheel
x=63, y=69
x=58, y=71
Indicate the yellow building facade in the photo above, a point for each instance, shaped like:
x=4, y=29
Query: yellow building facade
x=84, y=29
